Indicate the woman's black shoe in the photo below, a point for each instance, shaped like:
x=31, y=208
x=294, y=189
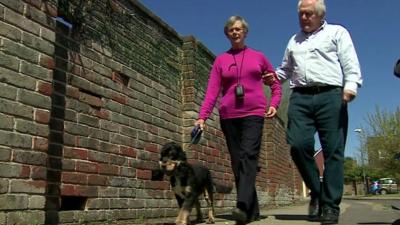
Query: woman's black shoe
x=239, y=216
x=314, y=210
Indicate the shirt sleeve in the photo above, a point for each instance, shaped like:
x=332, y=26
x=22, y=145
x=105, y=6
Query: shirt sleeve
x=349, y=62
x=212, y=92
x=284, y=71
x=276, y=88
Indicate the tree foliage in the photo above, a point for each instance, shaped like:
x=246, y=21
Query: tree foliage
x=381, y=142
x=352, y=172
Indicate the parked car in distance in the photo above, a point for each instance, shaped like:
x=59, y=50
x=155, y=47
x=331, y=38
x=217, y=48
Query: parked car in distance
x=387, y=185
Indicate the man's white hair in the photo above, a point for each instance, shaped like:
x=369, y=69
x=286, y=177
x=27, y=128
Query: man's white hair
x=320, y=7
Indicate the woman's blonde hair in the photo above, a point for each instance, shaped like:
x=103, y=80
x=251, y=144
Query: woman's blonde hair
x=232, y=20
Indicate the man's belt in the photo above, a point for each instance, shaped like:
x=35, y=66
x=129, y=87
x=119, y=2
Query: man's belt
x=314, y=89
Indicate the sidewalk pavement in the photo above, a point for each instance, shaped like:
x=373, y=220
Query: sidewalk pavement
x=293, y=215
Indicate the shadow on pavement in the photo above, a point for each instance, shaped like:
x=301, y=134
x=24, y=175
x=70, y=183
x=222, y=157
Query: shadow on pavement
x=380, y=223
x=229, y=217
x=291, y=217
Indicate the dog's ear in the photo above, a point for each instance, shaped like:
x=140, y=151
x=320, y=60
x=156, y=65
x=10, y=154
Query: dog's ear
x=157, y=174
x=181, y=153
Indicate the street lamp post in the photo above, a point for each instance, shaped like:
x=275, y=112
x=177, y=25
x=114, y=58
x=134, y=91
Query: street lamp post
x=359, y=131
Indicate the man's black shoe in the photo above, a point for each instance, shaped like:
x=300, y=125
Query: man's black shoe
x=239, y=216
x=254, y=218
x=314, y=210
x=330, y=216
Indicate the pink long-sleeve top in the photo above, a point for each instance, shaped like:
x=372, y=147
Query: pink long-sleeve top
x=249, y=64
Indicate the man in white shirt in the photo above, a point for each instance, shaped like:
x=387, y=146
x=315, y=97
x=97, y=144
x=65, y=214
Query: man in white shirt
x=397, y=69
x=322, y=67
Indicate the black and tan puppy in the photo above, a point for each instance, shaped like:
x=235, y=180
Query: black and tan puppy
x=188, y=182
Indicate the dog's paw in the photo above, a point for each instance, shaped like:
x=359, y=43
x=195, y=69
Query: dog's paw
x=210, y=221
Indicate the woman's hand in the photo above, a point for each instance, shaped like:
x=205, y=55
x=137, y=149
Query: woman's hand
x=271, y=112
x=201, y=123
x=268, y=78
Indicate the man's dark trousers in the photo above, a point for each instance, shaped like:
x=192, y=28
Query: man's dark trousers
x=243, y=137
x=312, y=111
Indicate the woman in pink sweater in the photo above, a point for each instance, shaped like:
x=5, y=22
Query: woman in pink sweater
x=237, y=76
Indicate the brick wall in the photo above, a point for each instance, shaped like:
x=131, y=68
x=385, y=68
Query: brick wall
x=84, y=111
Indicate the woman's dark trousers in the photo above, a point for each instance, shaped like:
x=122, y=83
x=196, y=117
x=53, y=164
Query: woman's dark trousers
x=243, y=138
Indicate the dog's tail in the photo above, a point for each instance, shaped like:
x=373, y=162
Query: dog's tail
x=222, y=188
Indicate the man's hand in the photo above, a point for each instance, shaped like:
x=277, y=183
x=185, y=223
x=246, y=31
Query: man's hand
x=201, y=123
x=271, y=112
x=268, y=78
x=348, y=95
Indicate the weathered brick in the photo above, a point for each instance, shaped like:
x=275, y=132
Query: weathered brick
x=30, y=157
x=77, y=129
x=38, y=16
x=29, y=127
x=68, y=165
x=27, y=186
x=38, y=173
x=119, y=203
x=42, y=116
x=90, y=99
x=9, y=62
x=35, y=3
x=109, y=147
x=86, y=167
x=109, y=126
x=108, y=169
x=74, y=178
x=97, y=180
x=26, y=217
x=119, y=160
x=2, y=12
x=3, y=186
x=127, y=151
x=10, y=32
x=47, y=61
x=35, y=71
x=6, y=122
x=48, y=34
x=8, y=92
x=37, y=202
x=5, y=154
x=21, y=51
x=128, y=172
x=108, y=192
x=87, y=52
x=45, y=88
x=34, y=99
x=119, y=118
x=40, y=144
x=37, y=43
x=17, y=109
x=98, y=203
x=87, y=191
x=14, y=202
x=143, y=174
x=15, y=5
x=16, y=79
x=21, y=21
x=15, y=140
x=65, y=217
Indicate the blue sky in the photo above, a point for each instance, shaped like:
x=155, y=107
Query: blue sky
x=374, y=26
